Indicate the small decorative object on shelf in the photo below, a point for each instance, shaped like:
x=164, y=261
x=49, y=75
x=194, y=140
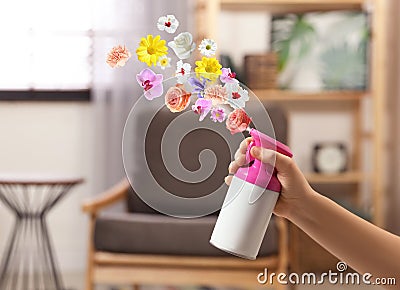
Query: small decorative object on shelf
x=261, y=70
x=330, y=157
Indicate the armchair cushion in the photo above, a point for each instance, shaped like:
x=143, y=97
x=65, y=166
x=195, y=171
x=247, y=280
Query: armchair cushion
x=139, y=233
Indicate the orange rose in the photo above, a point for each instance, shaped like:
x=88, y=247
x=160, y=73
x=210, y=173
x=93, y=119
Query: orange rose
x=237, y=121
x=177, y=99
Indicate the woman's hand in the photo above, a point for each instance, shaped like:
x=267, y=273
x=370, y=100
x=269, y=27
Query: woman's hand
x=294, y=184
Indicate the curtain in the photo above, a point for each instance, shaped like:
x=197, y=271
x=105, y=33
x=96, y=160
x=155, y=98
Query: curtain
x=116, y=90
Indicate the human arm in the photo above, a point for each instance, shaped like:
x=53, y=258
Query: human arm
x=360, y=244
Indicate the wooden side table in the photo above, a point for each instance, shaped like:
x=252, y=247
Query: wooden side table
x=28, y=260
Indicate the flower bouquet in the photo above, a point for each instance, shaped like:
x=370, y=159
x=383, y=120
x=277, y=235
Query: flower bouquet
x=215, y=90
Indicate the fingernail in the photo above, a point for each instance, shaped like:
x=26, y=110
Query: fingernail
x=255, y=151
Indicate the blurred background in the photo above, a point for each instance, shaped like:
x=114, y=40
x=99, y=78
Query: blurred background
x=330, y=67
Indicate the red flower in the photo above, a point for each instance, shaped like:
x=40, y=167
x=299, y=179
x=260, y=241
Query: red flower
x=237, y=121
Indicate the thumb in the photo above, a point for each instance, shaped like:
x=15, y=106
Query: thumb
x=282, y=163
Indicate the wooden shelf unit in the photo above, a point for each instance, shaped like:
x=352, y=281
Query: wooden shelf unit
x=325, y=96
x=209, y=10
x=341, y=178
x=207, y=27
x=291, y=6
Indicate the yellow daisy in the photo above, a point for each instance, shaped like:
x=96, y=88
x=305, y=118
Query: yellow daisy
x=208, y=67
x=151, y=49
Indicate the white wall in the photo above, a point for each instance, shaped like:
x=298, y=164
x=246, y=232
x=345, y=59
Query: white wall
x=51, y=138
x=253, y=29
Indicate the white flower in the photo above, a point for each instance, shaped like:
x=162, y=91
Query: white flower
x=183, y=45
x=237, y=96
x=168, y=23
x=182, y=72
x=208, y=47
x=164, y=62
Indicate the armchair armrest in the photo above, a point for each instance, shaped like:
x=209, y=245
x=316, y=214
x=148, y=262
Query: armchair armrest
x=107, y=198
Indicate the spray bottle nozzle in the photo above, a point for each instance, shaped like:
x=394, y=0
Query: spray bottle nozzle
x=259, y=173
x=262, y=140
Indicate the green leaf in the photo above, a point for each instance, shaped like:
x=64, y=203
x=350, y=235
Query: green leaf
x=300, y=33
x=283, y=55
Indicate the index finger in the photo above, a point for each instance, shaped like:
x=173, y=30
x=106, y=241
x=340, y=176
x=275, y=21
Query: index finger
x=244, y=144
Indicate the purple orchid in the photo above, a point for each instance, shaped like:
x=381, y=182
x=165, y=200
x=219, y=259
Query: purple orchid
x=218, y=114
x=198, y=86
x=151, y=83
x=227, y=76
x=202, y=107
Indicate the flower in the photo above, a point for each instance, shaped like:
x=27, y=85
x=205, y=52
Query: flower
x=237, y=96
x=198, y=86
x=183, y=45
x=218, y=114
x=227, y=76
x=202, y=107
x=208, y=67
x=151, y=49
x=168, y=23
x=217, y=94
x=208, y=47
x=151, y=83
x=177, y=99
x=118, y=56
x=164, y=62
x=237, y=121
x=182, y=72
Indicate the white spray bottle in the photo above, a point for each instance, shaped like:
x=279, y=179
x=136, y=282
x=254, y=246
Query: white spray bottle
x=249, y=203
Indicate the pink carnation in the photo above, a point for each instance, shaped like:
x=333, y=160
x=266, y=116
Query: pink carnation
x=217, y=94
x=237, y=121
x=118, y=56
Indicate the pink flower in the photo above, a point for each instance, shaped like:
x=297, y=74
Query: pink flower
x=218, y=114
x=118, y=56
x=227, y=76
x=202, y=107
x=177, y=99
x=237, y=121
x=151, y=83
x=217, y=94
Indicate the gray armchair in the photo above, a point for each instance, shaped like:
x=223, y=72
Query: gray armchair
x=141, y=246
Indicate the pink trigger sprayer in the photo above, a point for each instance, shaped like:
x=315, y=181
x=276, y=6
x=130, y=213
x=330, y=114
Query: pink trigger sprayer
x=249, y=203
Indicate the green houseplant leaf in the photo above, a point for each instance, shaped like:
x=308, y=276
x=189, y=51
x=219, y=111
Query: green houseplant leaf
x=298, y=33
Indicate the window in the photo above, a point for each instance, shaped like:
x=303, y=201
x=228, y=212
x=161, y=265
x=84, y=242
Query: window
x=45, y=49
